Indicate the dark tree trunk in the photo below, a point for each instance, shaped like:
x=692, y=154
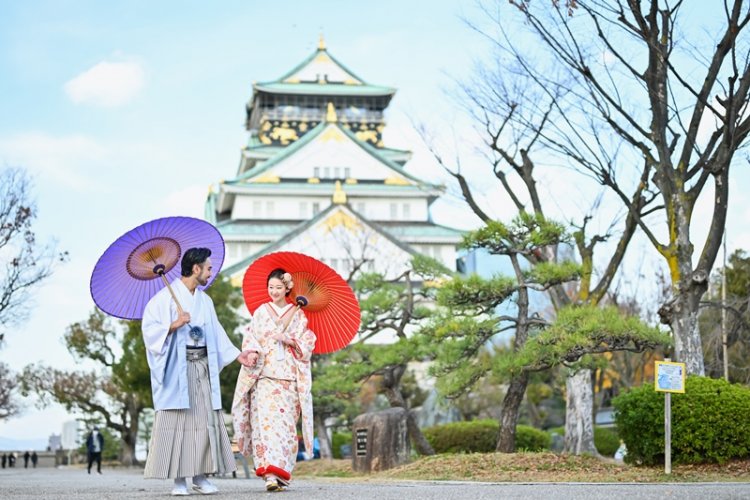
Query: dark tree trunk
x=506, y=442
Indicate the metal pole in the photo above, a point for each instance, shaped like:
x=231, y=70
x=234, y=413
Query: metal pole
x=724, y=311
x=667, y=431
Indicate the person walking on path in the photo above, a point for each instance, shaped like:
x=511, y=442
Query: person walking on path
x=186, y=348
x=269, y=400
x=94, y=448
x=34, y=459
x=4, y=459
x=26, y=457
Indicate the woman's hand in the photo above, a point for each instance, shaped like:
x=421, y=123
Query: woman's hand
x=248, y=358
x=282, y=337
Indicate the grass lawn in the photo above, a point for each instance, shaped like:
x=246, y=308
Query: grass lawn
x=530, y=467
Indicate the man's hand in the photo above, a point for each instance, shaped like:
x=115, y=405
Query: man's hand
x=248, y=358
x=182, y=319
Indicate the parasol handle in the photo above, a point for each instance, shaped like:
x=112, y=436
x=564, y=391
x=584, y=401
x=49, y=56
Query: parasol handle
x=171, y=292
x=301, y=302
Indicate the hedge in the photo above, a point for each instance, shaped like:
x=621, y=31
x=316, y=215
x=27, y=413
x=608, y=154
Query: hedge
x=339, y=439
x=709, y=422
x=480, y=436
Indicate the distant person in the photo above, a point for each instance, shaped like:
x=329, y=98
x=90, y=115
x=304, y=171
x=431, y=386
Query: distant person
x=34, y=459
x=4, y=459
x=26, y=457
x=12, y=459
x=94, y=447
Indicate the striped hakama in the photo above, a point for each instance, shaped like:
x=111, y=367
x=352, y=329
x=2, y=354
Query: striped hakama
x=194, y=441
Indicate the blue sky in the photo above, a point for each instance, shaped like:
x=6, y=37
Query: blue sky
x=128, y=111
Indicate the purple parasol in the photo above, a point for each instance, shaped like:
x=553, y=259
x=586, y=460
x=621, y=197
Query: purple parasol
x=141, y=261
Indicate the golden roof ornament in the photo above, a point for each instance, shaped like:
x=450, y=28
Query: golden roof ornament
x=339, y=196
x=321, y=43
x=331, y=114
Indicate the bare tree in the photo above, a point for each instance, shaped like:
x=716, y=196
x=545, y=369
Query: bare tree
x=117, y=394
x=8, y=382
x=610, y=95
x=676, y=107
x=26, y=263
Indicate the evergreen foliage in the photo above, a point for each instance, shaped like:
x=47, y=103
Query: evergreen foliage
x=709, y=422
x=581, y=330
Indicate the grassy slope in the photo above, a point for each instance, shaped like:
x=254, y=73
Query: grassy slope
x=529, y=467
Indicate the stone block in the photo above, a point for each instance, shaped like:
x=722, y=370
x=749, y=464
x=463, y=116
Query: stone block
x=380, y=440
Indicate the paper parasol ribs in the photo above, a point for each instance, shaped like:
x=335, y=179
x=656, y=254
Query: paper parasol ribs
x=331, y=308
x=145, y=259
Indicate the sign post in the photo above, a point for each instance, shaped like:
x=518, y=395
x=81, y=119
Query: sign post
x=670, y=377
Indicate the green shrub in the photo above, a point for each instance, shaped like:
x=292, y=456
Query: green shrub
x=477, y=436
x=709, y=422
x=606, y=441
x=480, y=436
x=532, y=439
x=338, y=439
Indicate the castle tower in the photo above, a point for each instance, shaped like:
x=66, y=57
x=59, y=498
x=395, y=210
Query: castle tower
x=316, y=178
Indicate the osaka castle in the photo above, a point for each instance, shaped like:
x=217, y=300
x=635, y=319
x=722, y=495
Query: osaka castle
x=315, y=177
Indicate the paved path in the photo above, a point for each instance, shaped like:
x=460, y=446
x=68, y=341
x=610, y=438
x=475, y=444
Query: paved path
x=124, y=484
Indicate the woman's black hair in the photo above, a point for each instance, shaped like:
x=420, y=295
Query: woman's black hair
x=278, y=273
x=192, y=257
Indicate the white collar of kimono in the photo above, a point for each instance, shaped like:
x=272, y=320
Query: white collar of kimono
x=280, y=310
x=191, y=302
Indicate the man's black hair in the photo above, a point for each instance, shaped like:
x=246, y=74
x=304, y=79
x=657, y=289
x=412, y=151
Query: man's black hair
x=192, y=257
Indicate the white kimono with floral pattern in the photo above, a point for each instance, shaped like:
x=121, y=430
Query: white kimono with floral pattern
x=270, y=397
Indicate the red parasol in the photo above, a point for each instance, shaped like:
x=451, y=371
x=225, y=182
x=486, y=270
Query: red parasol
x=329, y=303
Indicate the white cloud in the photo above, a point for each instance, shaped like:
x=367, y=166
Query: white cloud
x=61, y=159
x=106, y=84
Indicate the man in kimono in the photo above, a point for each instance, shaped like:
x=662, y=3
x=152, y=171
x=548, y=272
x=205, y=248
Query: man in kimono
x=186, y=349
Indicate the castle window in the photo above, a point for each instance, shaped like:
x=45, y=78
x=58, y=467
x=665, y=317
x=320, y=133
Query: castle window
x=315, y=208
x=406, y=208
x=256, y=209
x=347, y=173
x=316, y=172
x=327, y=172
x=303, y=210
x=269, y=209
x=336, y=172
x=394, y=211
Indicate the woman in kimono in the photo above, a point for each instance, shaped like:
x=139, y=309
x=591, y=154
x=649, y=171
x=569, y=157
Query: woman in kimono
x=271, y=396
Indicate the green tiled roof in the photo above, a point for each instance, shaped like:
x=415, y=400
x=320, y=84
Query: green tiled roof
x=300, y=143
x=209, y=210
x=302, y=228
x=323, y=89
x=325, y=187
x=256, y=227
x=405, y=229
